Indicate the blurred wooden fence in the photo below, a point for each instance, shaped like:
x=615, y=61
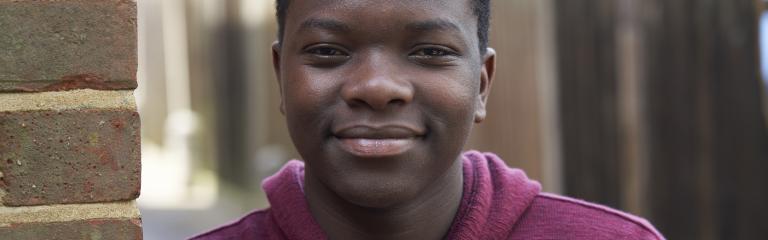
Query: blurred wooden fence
x=661, y=112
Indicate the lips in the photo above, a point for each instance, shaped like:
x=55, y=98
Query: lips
x=372, y=142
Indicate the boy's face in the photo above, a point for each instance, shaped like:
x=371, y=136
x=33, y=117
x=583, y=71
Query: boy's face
x=380, y=95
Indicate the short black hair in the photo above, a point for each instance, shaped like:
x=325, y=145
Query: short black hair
x=481, y=9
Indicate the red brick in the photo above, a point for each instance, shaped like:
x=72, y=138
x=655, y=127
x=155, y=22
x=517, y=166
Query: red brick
x=67, y=44
x=117, y=229
x=72, y=156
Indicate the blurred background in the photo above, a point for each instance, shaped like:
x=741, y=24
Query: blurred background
x=655, y=107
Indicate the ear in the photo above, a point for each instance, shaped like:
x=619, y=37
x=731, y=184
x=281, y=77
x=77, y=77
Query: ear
x=487, y=74
x=278, y=74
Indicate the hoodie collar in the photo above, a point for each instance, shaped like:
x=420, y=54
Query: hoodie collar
x=493, y=199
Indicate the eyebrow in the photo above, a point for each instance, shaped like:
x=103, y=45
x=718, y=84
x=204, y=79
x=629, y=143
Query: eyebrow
x=432, y=25
x=327, y=24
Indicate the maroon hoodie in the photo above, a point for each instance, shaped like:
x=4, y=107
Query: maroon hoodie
x=498, y=202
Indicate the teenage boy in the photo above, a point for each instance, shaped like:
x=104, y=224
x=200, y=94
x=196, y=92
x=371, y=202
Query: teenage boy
x=379, y=97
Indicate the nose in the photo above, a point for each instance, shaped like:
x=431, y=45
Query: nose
x=377, y=85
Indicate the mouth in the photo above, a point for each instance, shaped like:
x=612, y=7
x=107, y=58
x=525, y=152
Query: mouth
x=377, y=142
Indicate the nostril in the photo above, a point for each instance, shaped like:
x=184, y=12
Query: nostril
x=357, y=103
x=396, y=102
x=376, y=104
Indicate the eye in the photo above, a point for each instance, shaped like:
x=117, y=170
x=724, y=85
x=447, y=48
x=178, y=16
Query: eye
x=432, y=52
x=432, y=55
x=326, y=51
x=325, y=55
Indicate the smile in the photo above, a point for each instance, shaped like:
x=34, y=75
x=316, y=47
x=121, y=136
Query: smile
x=372, y=148
x=376, y=142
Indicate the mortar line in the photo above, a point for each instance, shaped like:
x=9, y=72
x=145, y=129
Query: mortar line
x=68, y=212
x=67, y=100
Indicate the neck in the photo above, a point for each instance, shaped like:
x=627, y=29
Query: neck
x=427, y=216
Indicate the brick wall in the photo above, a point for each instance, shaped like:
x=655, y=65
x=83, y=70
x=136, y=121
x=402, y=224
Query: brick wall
x=69, y=130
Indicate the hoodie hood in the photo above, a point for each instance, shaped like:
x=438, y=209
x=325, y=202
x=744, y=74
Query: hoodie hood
x=495, y=197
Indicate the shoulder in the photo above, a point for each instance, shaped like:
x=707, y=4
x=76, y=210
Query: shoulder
x=255, y=225
x=553, y=215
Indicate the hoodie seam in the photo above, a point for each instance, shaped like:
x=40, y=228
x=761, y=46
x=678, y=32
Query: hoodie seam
x=605, y=210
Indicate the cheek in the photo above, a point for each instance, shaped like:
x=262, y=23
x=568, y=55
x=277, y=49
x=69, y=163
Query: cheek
x=308, y=101
x=308, y=97
x=449, y=106
x=451, y=98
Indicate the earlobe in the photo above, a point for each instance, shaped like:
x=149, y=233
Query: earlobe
x=487, y=74
x=276, y=69
x=480, y=115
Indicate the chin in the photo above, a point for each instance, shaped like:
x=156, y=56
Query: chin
x=376, y=192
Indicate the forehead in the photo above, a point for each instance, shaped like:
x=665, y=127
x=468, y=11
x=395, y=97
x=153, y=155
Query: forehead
x=440, y=5
x=379, y=13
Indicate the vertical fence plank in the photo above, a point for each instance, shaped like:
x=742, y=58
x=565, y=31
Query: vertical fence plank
x=587, y=86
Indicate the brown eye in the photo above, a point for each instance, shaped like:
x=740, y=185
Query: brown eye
x=433, y=52
x=432, y=55
x=325, y=55
x=326, y=52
